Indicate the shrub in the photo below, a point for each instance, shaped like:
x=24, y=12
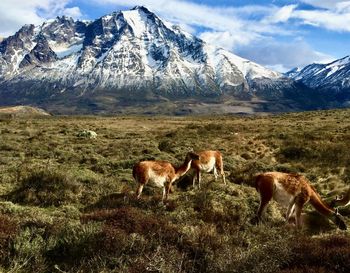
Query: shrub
x=27, y=250
x=8, y=230
x=73, y=245
x=329, y=254
x=133, y=220
x=245, y=174
x=165, y=145
x=122, y=164
x=130, y=232
x=296, y=152
x=46, y=187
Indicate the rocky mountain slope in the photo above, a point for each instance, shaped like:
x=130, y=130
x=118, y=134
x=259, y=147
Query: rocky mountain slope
x=332, y=80
x=124, y=59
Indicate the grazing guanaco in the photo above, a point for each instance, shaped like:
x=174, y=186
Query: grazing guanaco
x=292, y=191
x=209, y=161
x=341, y=201
x=160, y=173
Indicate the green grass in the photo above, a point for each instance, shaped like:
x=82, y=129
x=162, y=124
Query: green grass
x=67, y=204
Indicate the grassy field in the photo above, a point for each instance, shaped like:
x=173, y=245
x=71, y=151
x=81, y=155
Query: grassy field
x=67, y=202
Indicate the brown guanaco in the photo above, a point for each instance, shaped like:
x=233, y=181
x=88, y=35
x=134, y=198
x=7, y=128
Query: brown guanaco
x=292, y=191
x=161, y=173
x=209, y=161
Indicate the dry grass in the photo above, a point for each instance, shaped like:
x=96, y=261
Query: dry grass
x=67, y=203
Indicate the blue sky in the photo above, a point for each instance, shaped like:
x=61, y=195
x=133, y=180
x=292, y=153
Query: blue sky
x=278, y=34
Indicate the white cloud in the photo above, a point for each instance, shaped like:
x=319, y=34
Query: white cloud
x=281, y=15
x=228, y=40
x=15, y=13
x=343, y=7
x=328, y=14
x=73, y=12
x=187, y=28
x=328, y=19
x=283, y=56
x=327, y=4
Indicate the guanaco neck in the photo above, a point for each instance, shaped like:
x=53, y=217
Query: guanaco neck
x=183, y=169
x=319, y=205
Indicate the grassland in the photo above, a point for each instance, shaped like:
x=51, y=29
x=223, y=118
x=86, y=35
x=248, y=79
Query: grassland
x=67, y=202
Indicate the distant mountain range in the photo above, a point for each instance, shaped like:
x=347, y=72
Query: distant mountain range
x=331, y=80
x=134, y=62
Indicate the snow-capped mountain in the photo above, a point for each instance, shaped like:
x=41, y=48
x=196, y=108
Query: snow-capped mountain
x=293, y=72
x=130, y=54
x=332, y=79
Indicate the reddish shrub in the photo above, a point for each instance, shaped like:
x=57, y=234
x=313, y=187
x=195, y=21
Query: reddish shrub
x=8, y=229
x=330, y=254
x=133, y=220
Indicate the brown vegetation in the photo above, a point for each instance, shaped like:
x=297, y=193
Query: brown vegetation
x=68, y=203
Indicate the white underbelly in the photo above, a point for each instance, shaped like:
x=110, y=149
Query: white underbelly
x=207, y=167
x=281, y=196
x=156, y=180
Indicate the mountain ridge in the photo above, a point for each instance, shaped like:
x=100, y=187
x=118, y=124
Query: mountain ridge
x=133, y=55
x=332, y=80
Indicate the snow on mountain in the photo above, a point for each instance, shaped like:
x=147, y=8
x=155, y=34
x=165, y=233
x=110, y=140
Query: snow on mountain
x=334, y=76
x=127, y=51
x=293, y=72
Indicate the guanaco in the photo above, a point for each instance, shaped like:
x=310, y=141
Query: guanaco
x=341, y=201
x=161, y=173
x=292, y=191
x=209, y=161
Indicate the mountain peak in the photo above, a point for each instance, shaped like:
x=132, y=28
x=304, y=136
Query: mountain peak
x=141, y=8
x=138, y=19
x=128, y=53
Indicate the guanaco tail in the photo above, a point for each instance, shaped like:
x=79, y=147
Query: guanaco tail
x=293, y=191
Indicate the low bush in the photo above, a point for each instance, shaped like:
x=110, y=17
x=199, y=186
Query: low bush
x=296, y=153
x=327, y=254
x=8, y=230
x=46, y=187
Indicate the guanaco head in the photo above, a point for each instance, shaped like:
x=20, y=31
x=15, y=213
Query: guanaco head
x=342, y=200
x=192, y=156
x=339, y=221
x=336, y=200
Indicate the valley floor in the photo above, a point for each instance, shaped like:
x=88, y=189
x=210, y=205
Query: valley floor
x=67, y=203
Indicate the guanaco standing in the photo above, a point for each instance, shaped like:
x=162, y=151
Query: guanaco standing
x=209, y=161
x=160, y=173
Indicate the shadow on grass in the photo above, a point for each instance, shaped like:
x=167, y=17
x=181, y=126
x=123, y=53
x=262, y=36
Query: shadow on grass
x=128, y=199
